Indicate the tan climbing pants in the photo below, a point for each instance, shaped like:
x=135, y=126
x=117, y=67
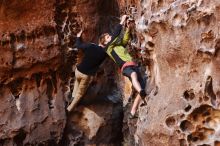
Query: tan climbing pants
x=82, y=82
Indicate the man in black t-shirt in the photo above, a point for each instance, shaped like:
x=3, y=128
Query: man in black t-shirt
x=93, y=57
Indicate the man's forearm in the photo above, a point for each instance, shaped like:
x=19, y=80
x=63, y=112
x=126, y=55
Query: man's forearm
x=122, y=22
x=117, y=30
x=78, y=42
x=126, y=37
x=123, y=19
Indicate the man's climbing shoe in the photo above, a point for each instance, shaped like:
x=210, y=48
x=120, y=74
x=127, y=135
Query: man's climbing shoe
x=132, y=116
x=67, y=105
x=70, y=99
x=143, y=94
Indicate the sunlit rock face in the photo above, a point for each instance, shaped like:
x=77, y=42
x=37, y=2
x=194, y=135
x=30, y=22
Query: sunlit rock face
x=180, y=44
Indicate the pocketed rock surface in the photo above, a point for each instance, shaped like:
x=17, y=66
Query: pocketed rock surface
x=177, y=44
x=181, y=42
x=37, y=64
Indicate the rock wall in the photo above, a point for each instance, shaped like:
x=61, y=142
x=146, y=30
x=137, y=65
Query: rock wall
x=179, y=40
x=37, y=72
x=32, y=107
x=177, y=45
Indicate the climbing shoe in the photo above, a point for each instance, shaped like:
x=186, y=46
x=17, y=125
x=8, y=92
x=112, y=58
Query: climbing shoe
x=143, y=94
x=144, y=103
x=70, y=99
x=132, y=116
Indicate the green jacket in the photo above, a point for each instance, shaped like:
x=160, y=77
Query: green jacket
x=117, y=49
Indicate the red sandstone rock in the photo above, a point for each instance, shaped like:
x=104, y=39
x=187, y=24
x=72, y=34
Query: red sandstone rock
x=35, y=73
x=181, y=38
x=180, y=45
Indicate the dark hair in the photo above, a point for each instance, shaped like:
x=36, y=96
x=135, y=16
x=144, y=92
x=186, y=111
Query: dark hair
x=102, y=38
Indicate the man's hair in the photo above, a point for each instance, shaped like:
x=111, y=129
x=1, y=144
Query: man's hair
x=102, y=38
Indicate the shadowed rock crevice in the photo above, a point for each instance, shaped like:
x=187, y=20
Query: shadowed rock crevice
x=209, y=93
x=189, y=95
x=37, y=71
x=18, y=139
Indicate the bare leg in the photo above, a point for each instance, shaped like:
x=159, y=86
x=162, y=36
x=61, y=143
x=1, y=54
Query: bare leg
x=135, y=82
x=137, y=86
x=135, y=104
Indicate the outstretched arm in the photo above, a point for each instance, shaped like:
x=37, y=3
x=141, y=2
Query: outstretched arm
x=123, y=19
x=118, y=27
x=127, y=35
x=117, y=30
x=79, y=44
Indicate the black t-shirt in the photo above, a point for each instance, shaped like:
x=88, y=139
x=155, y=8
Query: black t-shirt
x=93, y=57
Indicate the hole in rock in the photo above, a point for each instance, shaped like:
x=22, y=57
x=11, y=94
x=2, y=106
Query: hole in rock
x=52, y=142
x=22, y=36
x=160, y=3
x=71, y=83
x=205, y=98
x=12, y=38
x=189, y=94
x=72, y=74
x=208, y=119
x=170, y=121
x=186, y=126
x=19, y=138
x=183, y=142
x=2, y=141
x=49, y=30
x=151, y=44
x=206, y=113
x=209, y=89
x=200, y=134
x=192, y=138
x=206, y=19
x=182, y=116
x=38, y=77
x=5, y=43
x=217, y=47
x=199, y=113
x=17, y=96
x=217, y=143
x=200, y=100
x=188, y=108
x=30, y=36
x=50, y=93
x=54, y=81
x=16, y=87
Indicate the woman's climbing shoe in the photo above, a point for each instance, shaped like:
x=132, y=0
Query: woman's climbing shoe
x=144, y=103
x=133, y=116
